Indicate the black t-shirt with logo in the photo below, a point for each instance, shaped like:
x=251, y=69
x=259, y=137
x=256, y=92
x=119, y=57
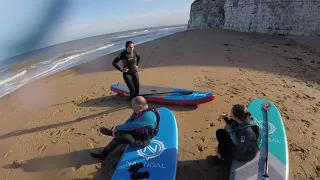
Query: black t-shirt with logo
x=128, y=61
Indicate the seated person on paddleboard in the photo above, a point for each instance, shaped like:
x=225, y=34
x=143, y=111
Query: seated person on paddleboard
x=130, y=60
x=138, y=130
x=240, y=139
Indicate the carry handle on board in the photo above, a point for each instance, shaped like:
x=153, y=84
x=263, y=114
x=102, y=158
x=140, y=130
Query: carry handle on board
x=173, y=92
x=266, y=107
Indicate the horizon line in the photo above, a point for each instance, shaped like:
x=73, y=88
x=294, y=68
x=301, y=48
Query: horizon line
x=15, y=56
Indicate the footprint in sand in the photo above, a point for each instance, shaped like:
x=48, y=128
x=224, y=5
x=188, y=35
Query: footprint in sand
x=6, y=154
x=28, y=149
x=91, y=145
x=55, y=133
x=79, y=134
x=201, y=147
x=93, y=140
x=303, y=153
x=307, y=123
x=18, y=163
x=203, y=138
x=318, y=170
x=42, y=148
x=57, y=111
x=72, y=129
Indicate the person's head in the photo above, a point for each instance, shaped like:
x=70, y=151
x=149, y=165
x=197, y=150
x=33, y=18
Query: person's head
x=129, y=46
x=240, y=113
x=139, y=104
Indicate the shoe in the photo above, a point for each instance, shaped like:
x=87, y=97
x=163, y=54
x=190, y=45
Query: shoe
x=105, y=131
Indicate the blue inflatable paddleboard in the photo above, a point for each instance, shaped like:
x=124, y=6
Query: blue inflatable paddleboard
x=278, y=148
x=159, y=158
x=167, y=95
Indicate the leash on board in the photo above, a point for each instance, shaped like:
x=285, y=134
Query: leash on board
x=266, y=107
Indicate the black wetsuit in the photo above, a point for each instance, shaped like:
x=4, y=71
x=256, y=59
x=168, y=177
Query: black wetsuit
x=247, y=148
x=131, y=77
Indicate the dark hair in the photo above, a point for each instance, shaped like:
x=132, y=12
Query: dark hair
x=240, y=112
x=128, y=43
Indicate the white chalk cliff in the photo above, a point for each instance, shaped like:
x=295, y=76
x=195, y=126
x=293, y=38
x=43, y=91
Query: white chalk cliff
x=287, y=17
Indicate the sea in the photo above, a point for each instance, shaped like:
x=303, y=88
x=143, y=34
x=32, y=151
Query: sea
x=17, y=71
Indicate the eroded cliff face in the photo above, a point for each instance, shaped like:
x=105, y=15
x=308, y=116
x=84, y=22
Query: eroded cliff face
x=207, y=14
x=290, y=17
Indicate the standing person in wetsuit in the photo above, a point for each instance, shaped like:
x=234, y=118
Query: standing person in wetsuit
x=130, y=60
x=240, y=139
x=138, y=130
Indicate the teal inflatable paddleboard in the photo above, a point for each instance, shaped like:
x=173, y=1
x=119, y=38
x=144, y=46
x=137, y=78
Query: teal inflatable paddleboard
x=278, y=156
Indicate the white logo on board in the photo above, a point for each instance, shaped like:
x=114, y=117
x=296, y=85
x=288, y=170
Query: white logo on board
x=271, y=127
x=154, y=149
x=198, y=94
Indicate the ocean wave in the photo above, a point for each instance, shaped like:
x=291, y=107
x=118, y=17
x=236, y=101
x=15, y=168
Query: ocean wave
x=13, y=77
x=133, y=34
x=172, y=28
x=45, y=68
x=102, y=47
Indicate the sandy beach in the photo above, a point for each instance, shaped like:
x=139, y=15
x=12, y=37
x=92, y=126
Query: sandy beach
x=49, y=126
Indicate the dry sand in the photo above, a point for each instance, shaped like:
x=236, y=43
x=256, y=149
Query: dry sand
x=49, y=126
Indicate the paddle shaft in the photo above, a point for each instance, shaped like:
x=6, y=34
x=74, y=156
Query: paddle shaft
x=266, y=169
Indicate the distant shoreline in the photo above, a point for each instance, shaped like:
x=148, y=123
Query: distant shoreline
x=49, y=46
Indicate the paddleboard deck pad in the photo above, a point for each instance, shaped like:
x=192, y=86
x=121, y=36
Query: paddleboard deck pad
x=160, y=158
x=278, y=148
x=166, y=95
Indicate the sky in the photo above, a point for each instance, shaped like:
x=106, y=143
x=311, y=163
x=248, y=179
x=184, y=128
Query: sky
x=31, y=24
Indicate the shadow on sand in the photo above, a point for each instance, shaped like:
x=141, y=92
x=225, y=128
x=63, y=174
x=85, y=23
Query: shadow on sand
x=115, y=103
x=56, y=125
x=111, y=100
x=193, y=169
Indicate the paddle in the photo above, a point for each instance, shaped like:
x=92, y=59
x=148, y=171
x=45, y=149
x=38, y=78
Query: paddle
x=173, y=92
x=266, y=107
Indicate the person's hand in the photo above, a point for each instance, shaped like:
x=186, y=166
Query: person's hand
x=223, y=115
x=125, y=70
x=136, y=67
